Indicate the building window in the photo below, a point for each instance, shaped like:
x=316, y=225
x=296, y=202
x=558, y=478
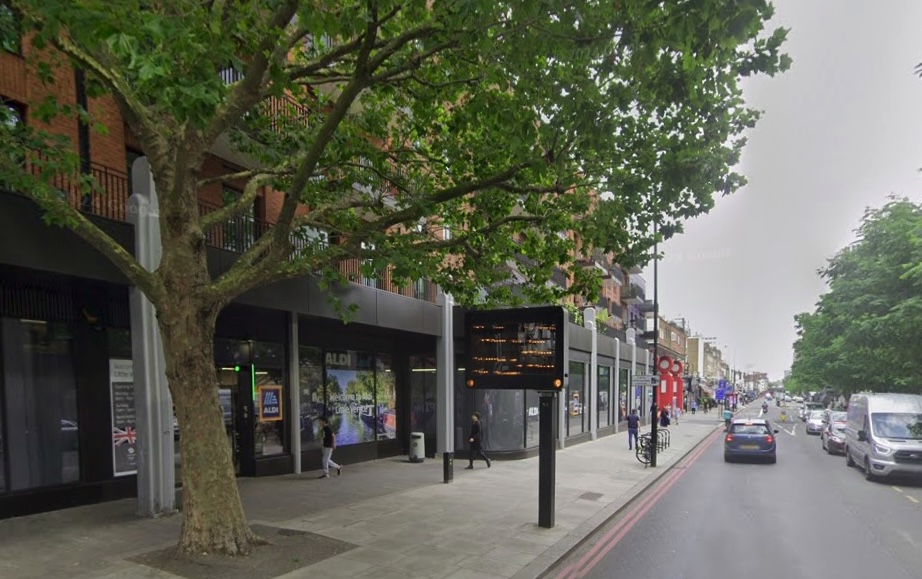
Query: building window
x=13, y=118
x=10, y=37
x=41, y=445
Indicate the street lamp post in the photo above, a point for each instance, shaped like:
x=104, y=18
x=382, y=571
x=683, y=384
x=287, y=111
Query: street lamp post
x=654, y=406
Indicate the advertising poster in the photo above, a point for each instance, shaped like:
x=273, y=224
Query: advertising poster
x=350, y=381
x=124, y=435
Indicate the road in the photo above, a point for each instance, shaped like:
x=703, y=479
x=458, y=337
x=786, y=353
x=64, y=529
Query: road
x=808, y=516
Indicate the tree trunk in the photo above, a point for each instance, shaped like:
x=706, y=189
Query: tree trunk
x=213, y=517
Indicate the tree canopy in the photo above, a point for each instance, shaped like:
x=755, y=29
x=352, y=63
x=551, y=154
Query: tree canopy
x=866, y=331
x=502, y=122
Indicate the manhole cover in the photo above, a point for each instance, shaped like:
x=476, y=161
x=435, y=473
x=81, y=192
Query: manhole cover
x=591, y=496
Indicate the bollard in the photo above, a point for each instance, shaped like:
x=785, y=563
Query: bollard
x=448, y=467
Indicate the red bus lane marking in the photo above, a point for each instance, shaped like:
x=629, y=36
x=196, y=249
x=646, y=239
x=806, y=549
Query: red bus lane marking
x=616, y=533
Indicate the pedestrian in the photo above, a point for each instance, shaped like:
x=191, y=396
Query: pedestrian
x=664, y=418
x=633, y=428
x=694, y=407
x=476, y=440
x=329, y=444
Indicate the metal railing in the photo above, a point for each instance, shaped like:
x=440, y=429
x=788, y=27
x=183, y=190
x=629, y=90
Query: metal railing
x=102, y=192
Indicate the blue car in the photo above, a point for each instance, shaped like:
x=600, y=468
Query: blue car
x=750, y=438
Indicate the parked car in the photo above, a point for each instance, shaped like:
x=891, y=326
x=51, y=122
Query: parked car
x=815, y=422
x=833, y=437
x=883, y=434
x=750, y=438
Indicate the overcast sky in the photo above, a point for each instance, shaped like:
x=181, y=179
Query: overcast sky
x=841, y=130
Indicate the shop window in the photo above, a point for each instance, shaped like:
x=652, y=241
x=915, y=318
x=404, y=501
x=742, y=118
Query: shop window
x=604, y=406
x=40, y=396
x=503, y=418
x=350, y=389
x=423, y=397
x=385, y=398
x=623, y=385
x=310, y=397
x=576, y=399
x=269, y=435
x=532, y=414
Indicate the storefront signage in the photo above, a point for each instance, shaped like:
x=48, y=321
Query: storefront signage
x=124, y=433
x=516, y=349
x=270, y=403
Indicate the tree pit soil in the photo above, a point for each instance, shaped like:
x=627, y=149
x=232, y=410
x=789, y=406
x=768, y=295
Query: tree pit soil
x=287, y=550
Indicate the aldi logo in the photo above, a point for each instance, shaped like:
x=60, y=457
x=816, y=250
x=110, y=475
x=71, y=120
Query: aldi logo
x=270, y=403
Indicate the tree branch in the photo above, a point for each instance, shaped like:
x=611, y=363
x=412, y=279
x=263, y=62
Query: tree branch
x=238, y=276
x=237, y=207
x=53, y=205
x=247, y=92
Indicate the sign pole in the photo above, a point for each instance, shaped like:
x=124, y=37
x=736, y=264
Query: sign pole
x=547, y=460
x=655, y=408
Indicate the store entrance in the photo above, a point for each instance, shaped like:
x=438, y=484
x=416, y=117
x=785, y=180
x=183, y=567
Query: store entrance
x=236, y=394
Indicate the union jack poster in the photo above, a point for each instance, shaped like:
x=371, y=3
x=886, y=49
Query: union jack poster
x=124, y=433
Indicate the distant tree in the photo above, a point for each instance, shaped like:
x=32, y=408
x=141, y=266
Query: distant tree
x=506, y=123
x=866, y=331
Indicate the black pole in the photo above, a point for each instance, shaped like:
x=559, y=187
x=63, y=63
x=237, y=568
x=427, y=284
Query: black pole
x=655, y=407
x=547, y=460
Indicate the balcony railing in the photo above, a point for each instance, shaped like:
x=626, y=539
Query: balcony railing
x=616, y=311
x=239, y=233
x=279, y=111
x=616, y=274
x=632, y=294
x=108, y=199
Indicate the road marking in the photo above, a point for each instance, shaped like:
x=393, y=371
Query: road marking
x=624, y=526
x=913, y=499
x=898, y=489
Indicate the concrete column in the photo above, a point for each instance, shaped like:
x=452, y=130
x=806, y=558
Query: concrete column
x=153, y=404
x=294, y=391
x=445, y=378
x=590, y=324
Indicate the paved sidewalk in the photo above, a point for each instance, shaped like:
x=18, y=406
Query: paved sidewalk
x=404, y=521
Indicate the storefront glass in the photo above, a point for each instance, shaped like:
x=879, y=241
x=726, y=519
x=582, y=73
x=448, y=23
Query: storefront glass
x=269, y=435
x=350, y=383
x=576, y=399
x=423, y=396
x=42, y=447
x=604, y=408
x=623, y=385
x=385, y=398
x=532, y=401
x=502, y=415
x=310, y=382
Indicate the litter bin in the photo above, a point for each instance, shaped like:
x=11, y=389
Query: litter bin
x=417, y=447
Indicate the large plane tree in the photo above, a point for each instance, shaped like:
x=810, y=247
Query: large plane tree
x=507, y=123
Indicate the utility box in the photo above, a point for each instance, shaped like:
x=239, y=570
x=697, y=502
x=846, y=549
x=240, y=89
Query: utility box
x=417, y=447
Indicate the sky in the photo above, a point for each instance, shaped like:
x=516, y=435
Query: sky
x=841, y=131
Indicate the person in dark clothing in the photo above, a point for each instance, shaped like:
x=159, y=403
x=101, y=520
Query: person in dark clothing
x=664, y=418
x=475, y=440
x=329, y=443
x=633, y=428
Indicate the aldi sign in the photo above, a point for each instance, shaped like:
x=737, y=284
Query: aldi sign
x=270, y=403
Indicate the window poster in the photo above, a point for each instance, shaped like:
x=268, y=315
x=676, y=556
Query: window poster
x=350, y=385
x=124, y=435
x=385, y=398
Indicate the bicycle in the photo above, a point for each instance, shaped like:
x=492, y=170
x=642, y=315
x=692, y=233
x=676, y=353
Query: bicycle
x=643, y=452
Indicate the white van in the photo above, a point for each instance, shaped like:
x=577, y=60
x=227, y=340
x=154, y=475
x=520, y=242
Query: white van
x=883, y=434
